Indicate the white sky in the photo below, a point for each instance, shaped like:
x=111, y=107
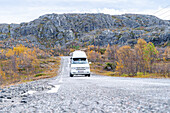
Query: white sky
x=17, y=11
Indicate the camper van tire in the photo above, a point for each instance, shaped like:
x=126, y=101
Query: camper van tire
x=71, y=75
x=88, y=75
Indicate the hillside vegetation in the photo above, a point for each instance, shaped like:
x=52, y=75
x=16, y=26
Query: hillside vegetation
x=144, y=60
x=22, y=64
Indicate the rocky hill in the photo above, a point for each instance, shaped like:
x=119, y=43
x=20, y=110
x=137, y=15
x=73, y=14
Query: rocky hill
x=52, y=30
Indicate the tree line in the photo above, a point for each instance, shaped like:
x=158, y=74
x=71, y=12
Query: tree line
x=18, y=62
x=143, y=57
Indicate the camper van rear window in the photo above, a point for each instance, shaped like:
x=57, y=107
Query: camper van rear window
x=79, y=61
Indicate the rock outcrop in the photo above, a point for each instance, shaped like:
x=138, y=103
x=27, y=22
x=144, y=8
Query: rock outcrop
x=99, y=29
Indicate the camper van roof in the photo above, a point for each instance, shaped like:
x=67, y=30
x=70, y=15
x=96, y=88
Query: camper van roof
x=79, y=54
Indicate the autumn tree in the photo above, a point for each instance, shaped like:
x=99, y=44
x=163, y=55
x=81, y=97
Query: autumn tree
x=126, y=61
x=150, y=55
x=107, y=53
x=139, y=51
x=19, y=59
x=119, y=67
x=113, y=52
x=2, y=76
x=94, y=56
x=167, y=53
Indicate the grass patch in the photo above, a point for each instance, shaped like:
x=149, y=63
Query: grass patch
x=51, y=70
x=39, y=74
x=124, y=75
x=151, y=75
x=100, y=71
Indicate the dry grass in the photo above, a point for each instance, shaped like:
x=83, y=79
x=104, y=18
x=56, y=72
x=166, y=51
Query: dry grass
x=48, y=68
x=53, y=66
x=101, y=71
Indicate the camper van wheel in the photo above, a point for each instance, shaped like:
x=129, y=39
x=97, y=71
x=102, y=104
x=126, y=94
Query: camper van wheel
x=71, y=75
x=88, y=75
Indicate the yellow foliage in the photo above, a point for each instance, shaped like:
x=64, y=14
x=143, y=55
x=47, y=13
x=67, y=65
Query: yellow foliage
x=19, y=61
x=124, y=49
x=119, y=66
x=19, y=49
x=23, y=57
x=94, y=56
x=9, y=53
x=107, y=52
x=72, y=50
x=92, y=46
x=51, y=50
x=141, y=43
x=2, y=73
x=167, y=52
x=164, y=59
x=1, y=51
x=88, y=48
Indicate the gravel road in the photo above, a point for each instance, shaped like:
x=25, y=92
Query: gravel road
x=95, y=94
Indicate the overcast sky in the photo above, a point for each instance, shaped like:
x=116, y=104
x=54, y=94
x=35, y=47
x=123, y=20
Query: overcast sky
x=17, y=11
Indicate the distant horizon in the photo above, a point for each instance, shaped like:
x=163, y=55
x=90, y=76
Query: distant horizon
x=80, y=13
x=18, y=11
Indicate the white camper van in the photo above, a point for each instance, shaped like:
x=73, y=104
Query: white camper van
x=79, y=64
